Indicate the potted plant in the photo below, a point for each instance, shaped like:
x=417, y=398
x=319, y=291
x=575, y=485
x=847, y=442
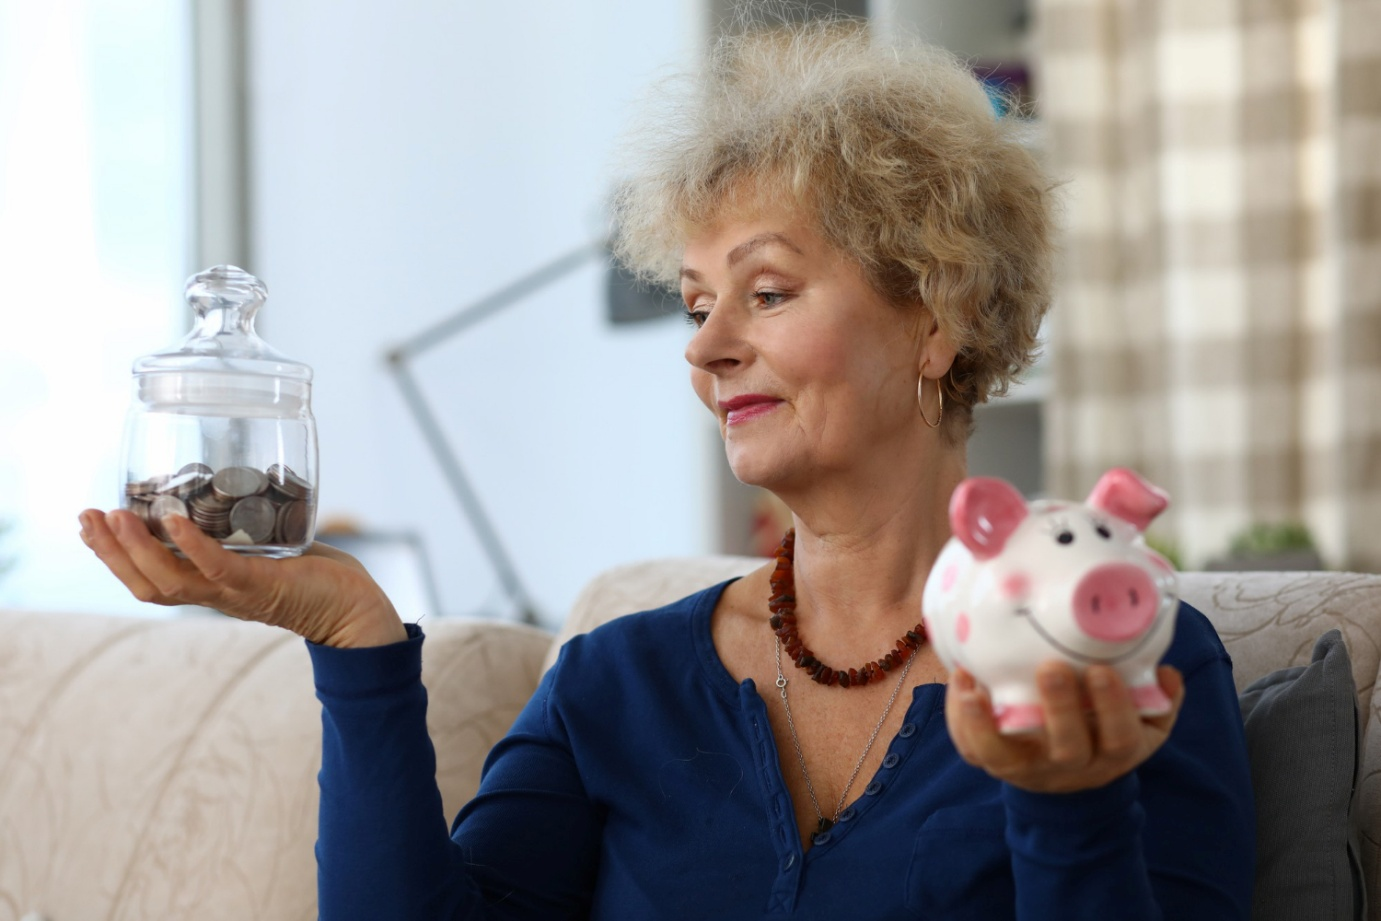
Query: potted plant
x=1283, y=547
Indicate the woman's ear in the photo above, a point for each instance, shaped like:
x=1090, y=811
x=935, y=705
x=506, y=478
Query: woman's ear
x=935, y=350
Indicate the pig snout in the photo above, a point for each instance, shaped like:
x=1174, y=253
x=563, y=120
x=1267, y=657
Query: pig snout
x=1115, y=602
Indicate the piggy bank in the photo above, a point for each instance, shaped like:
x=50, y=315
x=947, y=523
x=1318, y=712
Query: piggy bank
x=1021, y=583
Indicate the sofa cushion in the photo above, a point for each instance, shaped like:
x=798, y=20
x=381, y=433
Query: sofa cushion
x=1304, y=740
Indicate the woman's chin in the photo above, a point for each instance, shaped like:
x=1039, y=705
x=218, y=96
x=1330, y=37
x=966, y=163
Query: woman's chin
x=758, y=472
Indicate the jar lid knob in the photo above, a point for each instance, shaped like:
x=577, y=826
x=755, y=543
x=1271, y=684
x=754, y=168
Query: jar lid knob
x=225, y=287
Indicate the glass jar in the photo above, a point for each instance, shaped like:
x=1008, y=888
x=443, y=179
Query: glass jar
x=220, y=429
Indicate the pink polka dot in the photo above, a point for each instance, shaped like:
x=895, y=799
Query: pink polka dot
x=1016, y=585
x=949, y=577
x=961, y=627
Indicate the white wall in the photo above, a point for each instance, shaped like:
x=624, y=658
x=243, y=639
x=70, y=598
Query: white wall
x=984, y=30
x=408, y=158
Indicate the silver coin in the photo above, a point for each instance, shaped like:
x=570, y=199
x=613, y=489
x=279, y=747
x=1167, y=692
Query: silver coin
x=214, y=530
x=210, y=503
x=288, y=483
x=238, y=482
x=294, y=519
x=145, y=487
x=186, y=485
x=255, y=516
x=195, y=467
x=161, y=507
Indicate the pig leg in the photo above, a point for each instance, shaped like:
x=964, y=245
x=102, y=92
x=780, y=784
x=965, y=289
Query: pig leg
x=1014, y=718
x=1147, y=695
x=1014, y=711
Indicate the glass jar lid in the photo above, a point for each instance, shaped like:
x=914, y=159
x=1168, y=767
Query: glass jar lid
x=223, y=361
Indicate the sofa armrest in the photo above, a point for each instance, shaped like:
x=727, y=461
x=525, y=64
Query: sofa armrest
x=167, y=768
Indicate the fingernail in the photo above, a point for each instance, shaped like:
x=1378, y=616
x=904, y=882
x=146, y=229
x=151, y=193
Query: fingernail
x=1099, y=679
x=1054, y=681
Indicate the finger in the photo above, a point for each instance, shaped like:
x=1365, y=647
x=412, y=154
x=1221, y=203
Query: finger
x=972, y=726
x=97, y=535
x=217, y=565
x=1172, y=683
x=1068, y=740
x=176, y=580
x=1121, y=732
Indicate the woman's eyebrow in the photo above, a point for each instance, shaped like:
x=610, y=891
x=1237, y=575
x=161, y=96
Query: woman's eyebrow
x=746, y=249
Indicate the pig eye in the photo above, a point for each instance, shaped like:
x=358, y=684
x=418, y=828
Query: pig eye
x=1103, y=532
x=1065, y=537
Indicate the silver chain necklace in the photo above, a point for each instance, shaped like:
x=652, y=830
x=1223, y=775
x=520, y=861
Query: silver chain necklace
x=825, y=824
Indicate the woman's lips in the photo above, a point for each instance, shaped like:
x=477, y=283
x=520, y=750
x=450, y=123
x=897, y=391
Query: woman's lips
x=742, y=409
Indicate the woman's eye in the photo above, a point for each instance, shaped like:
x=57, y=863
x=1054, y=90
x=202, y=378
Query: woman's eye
x=696, y=318
x=770, y=298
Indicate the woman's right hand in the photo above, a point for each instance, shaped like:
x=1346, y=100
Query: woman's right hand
x=324, y=595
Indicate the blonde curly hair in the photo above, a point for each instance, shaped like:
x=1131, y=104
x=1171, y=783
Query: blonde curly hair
x=895, y=150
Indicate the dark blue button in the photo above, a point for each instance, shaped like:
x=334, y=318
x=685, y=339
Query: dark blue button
x=847, y=814
x=789, y=862
x=907, y=730
x=874, y=788
x=823, y=837
x=891, y=760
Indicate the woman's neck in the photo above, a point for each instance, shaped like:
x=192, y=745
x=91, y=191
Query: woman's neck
x=862, y=556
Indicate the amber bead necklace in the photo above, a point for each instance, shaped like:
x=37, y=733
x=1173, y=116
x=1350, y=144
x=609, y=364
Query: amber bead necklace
x=783, y=608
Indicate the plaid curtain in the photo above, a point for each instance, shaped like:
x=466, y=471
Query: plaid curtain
x=1218, y=321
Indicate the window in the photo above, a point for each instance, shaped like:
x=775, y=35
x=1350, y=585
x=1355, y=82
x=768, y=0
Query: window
x=96, y=170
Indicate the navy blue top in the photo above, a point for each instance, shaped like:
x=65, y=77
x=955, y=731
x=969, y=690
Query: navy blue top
x=642, y=782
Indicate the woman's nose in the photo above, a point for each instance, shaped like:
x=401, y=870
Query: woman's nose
x=718, y=344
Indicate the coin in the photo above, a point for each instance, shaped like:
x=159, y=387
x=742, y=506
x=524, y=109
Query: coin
x=238, y=506
x=186, y=485
x=238, y=482
x=144, y=487
x=293, y=520
x=256, y=517
x=289, y=484
x=161, y=507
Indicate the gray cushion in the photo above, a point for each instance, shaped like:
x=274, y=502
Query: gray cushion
x=1304, y=741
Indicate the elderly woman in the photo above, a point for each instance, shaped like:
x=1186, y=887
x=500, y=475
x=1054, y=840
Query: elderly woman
x=863, y=249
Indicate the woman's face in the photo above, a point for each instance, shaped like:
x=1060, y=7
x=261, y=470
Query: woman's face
x=809, y=370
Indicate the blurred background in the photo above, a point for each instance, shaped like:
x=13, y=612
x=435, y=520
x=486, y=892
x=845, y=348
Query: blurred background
x=382, y=166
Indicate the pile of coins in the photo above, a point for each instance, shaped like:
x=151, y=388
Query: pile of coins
x=235, y=505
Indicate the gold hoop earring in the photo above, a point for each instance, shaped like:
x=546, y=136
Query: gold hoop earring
x=920, y=399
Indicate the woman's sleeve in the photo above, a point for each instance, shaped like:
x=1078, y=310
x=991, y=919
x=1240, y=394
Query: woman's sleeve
x=1173, y=839
x=525, y=847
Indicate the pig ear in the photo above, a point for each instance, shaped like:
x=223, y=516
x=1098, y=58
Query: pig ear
x=983, y=513
x=1122, y=493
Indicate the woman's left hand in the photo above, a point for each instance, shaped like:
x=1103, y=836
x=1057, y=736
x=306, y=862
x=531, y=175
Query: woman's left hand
x=1079, y=748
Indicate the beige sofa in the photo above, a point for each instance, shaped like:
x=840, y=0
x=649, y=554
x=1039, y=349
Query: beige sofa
x=166, y=769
